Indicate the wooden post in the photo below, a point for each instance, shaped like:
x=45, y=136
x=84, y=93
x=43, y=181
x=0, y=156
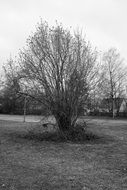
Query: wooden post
x=113, y=109
x=24, y=110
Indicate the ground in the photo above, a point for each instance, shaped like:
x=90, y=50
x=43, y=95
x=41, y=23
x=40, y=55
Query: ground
x=20, y=118
x=34, y=164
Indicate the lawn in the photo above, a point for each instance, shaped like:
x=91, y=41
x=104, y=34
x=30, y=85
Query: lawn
x=35, y=164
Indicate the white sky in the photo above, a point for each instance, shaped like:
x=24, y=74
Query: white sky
x=102, y=21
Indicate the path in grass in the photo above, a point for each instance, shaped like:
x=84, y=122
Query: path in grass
x=34, y=164
x=20, y=118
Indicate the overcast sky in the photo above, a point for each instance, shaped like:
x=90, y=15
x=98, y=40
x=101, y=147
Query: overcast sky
x=104, y=22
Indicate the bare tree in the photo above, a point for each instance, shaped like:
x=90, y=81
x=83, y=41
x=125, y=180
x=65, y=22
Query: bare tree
x=11, y=87
x=113, y=77
x=58, y=69
x=11, y=75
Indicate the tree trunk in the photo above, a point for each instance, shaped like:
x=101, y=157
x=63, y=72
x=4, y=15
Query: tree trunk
x=113, y=108
x=64, y=124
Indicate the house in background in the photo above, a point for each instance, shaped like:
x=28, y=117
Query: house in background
x=123, y=106
x=120, y=106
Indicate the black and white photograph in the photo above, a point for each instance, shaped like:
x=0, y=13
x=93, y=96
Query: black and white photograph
x=63, y=95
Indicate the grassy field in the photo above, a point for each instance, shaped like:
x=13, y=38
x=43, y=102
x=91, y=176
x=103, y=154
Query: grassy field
x=36, y=164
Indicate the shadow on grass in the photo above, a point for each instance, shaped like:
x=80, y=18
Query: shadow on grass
x=87, y=137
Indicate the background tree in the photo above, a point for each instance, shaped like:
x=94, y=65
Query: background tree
x=113, y=78
x=12, y=101
x=58, y=69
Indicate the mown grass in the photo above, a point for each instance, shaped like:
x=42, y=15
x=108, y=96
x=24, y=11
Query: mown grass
x=29, y=161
